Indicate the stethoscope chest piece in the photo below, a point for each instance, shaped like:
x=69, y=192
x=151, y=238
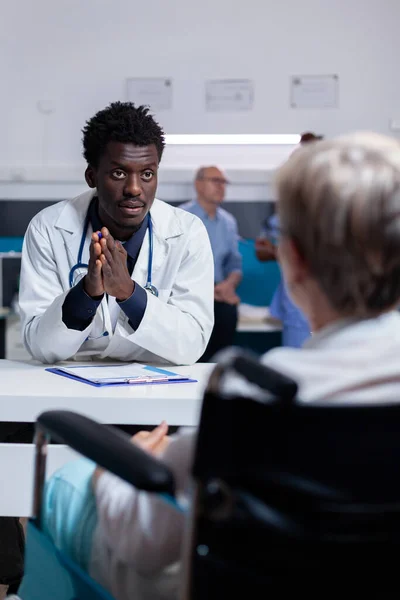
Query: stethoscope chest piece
x=151, y=288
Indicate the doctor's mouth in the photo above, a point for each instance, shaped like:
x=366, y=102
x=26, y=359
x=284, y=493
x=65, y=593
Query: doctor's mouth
x=131, y=208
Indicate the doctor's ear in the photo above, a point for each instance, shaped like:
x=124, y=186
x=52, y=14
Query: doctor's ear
x=90, y=177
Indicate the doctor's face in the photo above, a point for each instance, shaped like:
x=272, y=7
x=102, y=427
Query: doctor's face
x=126, y=182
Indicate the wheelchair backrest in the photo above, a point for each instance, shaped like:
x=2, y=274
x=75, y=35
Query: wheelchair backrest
x=286, y=491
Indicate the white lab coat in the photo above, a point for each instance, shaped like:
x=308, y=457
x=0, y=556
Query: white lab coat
x=176, y=325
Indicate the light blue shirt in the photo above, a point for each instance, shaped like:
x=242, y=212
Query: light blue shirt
x=296, y=329
x=223, y=233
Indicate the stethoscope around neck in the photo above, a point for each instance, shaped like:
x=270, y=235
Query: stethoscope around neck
x=80, y=265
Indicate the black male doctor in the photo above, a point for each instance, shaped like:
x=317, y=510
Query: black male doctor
x=115, y=273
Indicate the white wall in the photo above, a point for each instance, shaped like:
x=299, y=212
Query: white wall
x=77, y=54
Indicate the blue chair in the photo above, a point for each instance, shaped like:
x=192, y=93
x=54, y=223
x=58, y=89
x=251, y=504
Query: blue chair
x=257, y=287
x=11, y=244
x=260, y=280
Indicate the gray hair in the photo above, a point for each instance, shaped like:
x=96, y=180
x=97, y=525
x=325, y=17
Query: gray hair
x=200, y=174
x=339, y=201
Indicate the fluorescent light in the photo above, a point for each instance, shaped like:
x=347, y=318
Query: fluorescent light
x=232, y=139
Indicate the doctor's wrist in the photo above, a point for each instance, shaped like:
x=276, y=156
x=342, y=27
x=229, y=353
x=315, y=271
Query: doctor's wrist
x=125, y=292
x=94, y=291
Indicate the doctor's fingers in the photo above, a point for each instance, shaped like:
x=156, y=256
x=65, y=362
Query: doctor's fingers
x=106, y=251
x=108, y=238
x=95, y=236
x=94, y=250
x=94, y=268
x=93, y=281
x=119, y=248
x=106, y=267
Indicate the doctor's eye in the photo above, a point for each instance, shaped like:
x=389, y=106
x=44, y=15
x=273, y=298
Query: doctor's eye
x=147, y=175
x=118, y=174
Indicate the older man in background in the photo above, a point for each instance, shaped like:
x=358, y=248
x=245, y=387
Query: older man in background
x=210, y=185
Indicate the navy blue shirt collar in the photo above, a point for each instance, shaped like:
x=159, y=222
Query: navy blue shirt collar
x=133, y=244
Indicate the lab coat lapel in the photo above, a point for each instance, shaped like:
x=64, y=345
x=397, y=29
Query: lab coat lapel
x=139, y=273
x=160, y=252
x=71, y=223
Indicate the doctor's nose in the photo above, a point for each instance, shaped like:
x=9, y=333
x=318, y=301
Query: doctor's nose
x=132, y=186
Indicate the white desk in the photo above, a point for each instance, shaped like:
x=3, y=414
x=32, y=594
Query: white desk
x=258, y=326
x=256, y=319
x=26, y=390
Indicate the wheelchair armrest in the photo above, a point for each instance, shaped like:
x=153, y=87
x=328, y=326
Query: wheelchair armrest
x=249, y=366
x=110, y=448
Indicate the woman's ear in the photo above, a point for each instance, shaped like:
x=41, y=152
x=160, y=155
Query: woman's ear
x=90, y=177
x=298, y=259
x=293, y=264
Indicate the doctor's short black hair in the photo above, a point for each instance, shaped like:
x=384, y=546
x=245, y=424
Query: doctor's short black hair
x=120, y=122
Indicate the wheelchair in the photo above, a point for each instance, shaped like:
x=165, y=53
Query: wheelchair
x=288, y=497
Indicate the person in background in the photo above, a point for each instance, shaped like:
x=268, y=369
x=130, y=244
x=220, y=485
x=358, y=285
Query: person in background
x=222, y=229
x=295, y=327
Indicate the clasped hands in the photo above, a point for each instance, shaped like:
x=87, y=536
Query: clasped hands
x=108, y=270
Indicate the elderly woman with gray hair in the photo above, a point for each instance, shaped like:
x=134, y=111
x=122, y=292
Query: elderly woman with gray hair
x=339, y=248
x=339, y=206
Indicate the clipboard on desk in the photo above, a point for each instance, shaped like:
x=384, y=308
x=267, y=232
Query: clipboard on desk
x=120, y=375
